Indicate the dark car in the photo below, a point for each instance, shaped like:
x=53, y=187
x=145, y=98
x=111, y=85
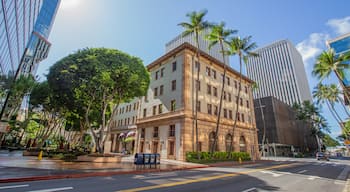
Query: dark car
x=322, y=156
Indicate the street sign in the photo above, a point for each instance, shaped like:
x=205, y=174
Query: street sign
x=347, y=142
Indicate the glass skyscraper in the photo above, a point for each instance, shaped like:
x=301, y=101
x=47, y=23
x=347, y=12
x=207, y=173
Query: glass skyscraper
x=25, y=26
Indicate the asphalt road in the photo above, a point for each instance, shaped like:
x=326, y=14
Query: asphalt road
x=298, y=176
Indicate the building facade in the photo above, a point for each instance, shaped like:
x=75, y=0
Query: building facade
x=165, y=120
x=279, y=72
x=283, y=133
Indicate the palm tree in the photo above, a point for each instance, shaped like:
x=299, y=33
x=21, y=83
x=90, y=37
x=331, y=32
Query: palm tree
x=334, y=97
x=329, y=62
x=219, y=35
x=196, y=25
x=243, y=48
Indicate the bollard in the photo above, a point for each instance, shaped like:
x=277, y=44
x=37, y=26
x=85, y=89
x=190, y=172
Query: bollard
x=239, y=160
x=40, y=156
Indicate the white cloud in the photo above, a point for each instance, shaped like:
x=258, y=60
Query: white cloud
x=311, y=47
x=340, y=26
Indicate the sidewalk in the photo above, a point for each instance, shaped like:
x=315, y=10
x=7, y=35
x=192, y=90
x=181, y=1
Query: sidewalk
x=16, y=168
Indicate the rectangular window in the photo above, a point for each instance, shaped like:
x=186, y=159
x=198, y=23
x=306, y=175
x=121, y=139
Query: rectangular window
x=224, y=95
x=197, y=66
x=247, y=102
x=174, y=66
x=144, y=112
x=142, y=132
x=157, y=73
x=172, y=131
x=160, y=108
x=246, y=89
x=161, y=89
x=155, y=131
x=238, y=116
x=171, y=147
x=198, y=85
x=230, y=114
x=214, y=73
x=208, y=89
x=236, y=84
x=141, y=146
x=209, y=108
x=198, y=106
x=207, y=71
x=243, y=117
x=128, y=121
x=241, y=101
x=154, y=111
x=225, y=113
x=133, y=120
x=228, y=81
x=229, y=97
x=215, y=110
x=162, y=72
x=156, y=92
x=173, y=105
x=215, y=90
x=173, y=85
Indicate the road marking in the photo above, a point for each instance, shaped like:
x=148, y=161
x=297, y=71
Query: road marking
x=303, y=171
x=313, y=177
x=251, y=189
x=205, y=178
x=272, y=173
x=53, y=189
x=13, y=186
x=344, y=173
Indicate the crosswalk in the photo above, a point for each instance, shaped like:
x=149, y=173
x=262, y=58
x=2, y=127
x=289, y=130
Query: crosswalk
x=24, y=186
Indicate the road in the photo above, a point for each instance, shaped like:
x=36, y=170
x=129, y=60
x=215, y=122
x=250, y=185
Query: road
x=298, y=176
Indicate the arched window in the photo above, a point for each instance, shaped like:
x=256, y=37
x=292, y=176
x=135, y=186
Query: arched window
x=228, y=142
x=242, y=144
x=211, y=141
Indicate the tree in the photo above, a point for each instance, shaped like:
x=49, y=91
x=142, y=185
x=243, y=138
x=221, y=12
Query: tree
x=219, y=35
x=196, y=25
x=243, y=48
x=92, y=82
x=328, y=62
x=328, y=141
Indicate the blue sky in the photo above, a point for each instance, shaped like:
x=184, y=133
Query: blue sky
x=142, y=27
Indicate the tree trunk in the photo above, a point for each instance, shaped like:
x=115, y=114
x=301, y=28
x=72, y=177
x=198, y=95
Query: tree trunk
x=343, y=105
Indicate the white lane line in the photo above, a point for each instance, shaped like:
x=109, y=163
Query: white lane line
x=272, y=173
x=13, y=186
x=53, y=189
x=250, y=189
x=303, y=171
x=344, y=173
x=313, y=177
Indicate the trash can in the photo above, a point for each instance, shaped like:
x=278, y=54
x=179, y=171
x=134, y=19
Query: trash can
x=146, y=158
x=138, y=160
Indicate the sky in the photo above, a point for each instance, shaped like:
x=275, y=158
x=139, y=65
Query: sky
x=143, y=27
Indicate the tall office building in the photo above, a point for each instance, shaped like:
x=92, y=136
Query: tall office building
x=279, y=72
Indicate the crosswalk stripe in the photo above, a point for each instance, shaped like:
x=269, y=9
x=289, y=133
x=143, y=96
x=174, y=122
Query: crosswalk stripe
x=13, y=186
x=53, y=189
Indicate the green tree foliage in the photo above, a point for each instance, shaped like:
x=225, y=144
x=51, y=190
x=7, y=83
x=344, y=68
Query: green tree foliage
x=92, y=82
x=328, y=141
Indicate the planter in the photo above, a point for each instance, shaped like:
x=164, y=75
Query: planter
x=99, y=159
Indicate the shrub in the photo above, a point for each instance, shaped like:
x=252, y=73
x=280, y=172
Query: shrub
x=206, y=157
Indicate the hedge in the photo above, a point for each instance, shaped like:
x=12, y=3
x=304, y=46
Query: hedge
x=206, y=157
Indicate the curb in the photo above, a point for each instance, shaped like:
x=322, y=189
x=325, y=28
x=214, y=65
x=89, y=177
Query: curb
x=96, y=174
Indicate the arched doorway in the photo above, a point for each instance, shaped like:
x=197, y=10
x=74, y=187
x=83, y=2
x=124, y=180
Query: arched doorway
x=228, y=142
x=211, y=141
x=242, y=144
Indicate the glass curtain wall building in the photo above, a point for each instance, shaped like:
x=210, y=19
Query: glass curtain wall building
x=25, y=26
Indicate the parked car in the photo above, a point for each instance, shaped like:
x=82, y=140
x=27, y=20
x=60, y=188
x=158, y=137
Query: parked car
x=322, y=156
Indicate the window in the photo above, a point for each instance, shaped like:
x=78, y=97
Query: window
x=198, y=85
x=225, y=113
x=247, y=102
x=134, y=106
x=141, y=146
x=154, y=111
x=171, y=147
x=224, y=95
x=243, y=117
x=144, y=112
x=128, y=121
x=172, y=131
x=160, y=108
x=214, y=73
x=237, y=99
x=161, y=89
x=236, y=84
x=238, y=116
x=215, y=110
x=208, y=89
x=241, y=101
x=246, y=89
x=198, y=106
x=197, y=66
x=173, y=105
x=173, y=85
x=133, y=120
x=229, y=97
x=155, y=131
x=207, y=71
x=157, y=73
x=230, y=114
x=174, y=66
x=156, y=91
x=162, y=72
x=215, y=90
x=142, y=132
x=209, y=108
x=228, y=80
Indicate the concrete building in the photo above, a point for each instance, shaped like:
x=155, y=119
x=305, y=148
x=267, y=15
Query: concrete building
x=165, y=115
x=284, y=134
x=279, y=72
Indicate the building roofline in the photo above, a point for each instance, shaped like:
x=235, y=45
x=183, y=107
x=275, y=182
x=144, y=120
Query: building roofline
x=190, y=47
x=272, y=44
x=337, y=39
